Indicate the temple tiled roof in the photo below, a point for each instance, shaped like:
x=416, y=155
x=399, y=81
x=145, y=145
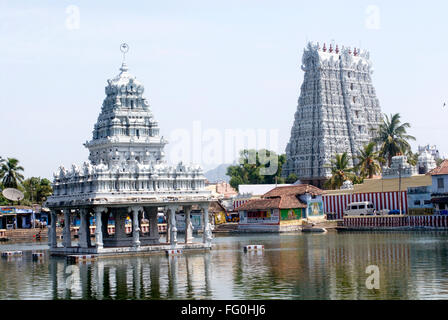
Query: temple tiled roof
x=294, y=190
x=282, y=198
x=440, y=170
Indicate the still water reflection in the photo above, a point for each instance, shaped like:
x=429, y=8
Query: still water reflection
x=293, y=266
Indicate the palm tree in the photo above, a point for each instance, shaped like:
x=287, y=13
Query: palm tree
x=412, y=158
x=10, y=173
x=369, y=161
x=392, y=137
x=340, y=171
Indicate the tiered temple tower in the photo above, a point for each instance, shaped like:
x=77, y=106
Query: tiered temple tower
x=338, y=111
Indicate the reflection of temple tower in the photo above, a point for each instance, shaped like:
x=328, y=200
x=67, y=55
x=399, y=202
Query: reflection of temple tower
x=337, y=112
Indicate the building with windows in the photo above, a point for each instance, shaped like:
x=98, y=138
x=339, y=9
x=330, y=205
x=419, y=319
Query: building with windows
x=282, y=209
x=439, y=196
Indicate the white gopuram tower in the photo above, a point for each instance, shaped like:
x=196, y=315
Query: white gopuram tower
x=126, y=175
x=338, y=111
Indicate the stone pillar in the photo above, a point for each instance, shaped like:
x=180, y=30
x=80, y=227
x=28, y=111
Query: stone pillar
x=205, y=229
x=52, y=238
x=99, y=227
x=135, y=225
x=173, y=229
x=120, y=224
x=188, y=225
x=67, y=235
x=153, y=222
x=168, y=224
x=84, y=231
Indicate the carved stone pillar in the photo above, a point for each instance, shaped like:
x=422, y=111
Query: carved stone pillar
x=120, y=225
x=98, y=227
x=135, y=225
x=168, y=224
x=67, y=235
x=173, y=229
x=153, y=222
x=52, y=238
x=84, y=232
x=206, y=232
x=188, y=225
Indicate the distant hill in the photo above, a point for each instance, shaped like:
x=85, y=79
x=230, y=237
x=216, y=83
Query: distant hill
x=218, y=174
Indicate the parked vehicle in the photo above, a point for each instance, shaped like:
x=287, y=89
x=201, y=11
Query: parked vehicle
x=393, y=212
x=364, y=208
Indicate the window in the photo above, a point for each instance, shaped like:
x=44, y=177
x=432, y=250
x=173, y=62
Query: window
x=354, y=207
x=440, y=183
x=416, y=202
x=370, y=206
x=362, y=206
x=427, y=202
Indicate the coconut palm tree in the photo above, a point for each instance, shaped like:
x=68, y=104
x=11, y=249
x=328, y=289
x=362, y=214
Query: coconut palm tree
x=10, y=173
x=369, y=161
x=392, y=137
x=340, y=171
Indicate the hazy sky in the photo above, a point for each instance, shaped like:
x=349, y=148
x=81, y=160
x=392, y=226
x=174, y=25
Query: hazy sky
x=209, y=67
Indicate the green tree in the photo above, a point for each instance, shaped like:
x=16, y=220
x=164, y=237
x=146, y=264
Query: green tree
x=291, y=178
x=392, y=137
x=37, y=189
x=412, y=157
x=10, y=173
x=369, y=161
x=257, y=167
x=439, y=161
x=340, y=171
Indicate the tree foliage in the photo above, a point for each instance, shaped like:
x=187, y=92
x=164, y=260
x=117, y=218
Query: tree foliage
x=369, y=161
x=37, y=189
x=340, y=171
x=10, y=173
x=392, y=137
x=253, y=166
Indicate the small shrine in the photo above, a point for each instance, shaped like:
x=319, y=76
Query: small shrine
x=127, y=175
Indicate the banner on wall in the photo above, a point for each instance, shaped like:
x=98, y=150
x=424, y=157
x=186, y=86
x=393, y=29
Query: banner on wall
x=7, y=210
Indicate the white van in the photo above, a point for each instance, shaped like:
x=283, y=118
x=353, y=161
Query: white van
x=364, y=208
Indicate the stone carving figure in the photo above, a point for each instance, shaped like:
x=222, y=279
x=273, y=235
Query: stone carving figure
x=208, y=233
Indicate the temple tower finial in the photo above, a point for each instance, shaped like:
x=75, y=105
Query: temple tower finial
x=124, y=48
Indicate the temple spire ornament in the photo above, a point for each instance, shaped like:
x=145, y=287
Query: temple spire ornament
x=124, y=48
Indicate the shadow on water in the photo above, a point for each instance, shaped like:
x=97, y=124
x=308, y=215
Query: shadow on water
x=412, y=265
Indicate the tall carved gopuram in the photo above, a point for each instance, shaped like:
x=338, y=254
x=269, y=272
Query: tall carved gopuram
x=338, y=111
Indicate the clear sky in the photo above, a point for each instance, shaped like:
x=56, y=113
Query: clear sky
x=208, y=67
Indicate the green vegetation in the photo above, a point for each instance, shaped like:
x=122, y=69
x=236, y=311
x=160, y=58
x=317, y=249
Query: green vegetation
x=340, y=171
x=369, y=161
x=257, y=167
x=392, y=137
x=10, y=173
x=35, y=189
x=391, y=140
